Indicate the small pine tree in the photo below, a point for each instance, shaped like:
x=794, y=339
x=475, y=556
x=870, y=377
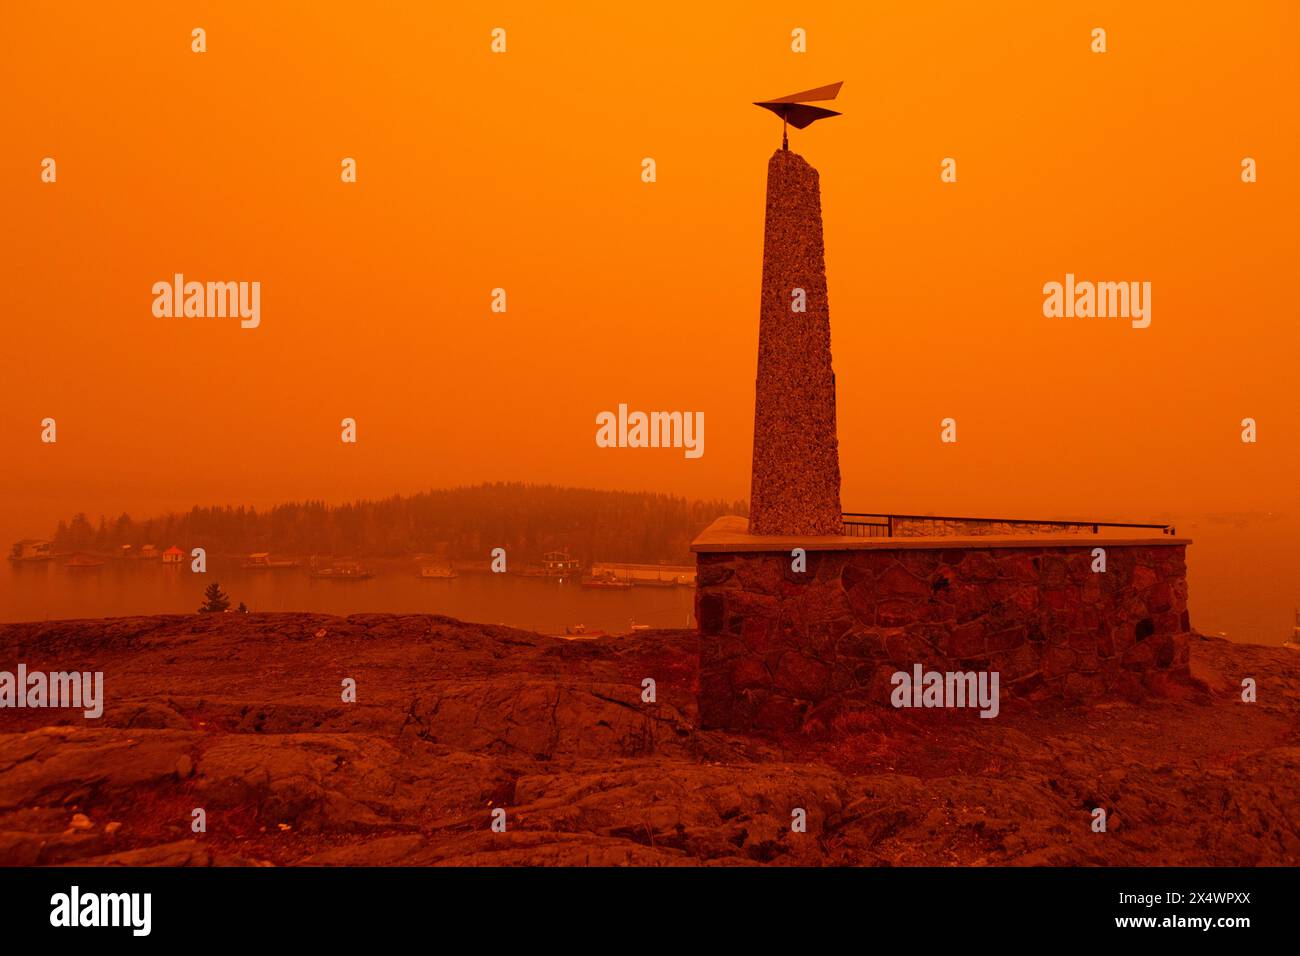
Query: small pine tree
x=216, y=602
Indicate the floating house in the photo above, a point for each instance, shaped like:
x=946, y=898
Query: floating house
x=558, y=564
x=31, y=549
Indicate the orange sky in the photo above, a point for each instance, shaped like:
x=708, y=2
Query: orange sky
x=522, y=170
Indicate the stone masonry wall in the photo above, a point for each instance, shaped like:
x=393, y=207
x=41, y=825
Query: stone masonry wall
x=779, y=647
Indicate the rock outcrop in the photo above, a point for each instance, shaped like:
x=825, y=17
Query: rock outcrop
x=242, y=716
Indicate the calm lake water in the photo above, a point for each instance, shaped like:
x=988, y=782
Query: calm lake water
x=1244, y=581
x=47, y=590
x=1243, y=575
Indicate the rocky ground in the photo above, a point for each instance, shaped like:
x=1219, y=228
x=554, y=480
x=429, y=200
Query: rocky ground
x=241, y=715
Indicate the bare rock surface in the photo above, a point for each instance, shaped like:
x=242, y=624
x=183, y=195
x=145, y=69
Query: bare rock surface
x=242, y=716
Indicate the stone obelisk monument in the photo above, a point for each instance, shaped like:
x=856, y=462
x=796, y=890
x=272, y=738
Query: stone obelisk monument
x=796, y=476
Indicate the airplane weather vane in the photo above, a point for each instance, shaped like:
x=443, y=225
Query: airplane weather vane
x=792, y=110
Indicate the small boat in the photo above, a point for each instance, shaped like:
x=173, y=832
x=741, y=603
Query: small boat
x=606, y=584
x=436, y=572
x=343, y=571
x=262, y=561
x=82, y=562
x=640, y=627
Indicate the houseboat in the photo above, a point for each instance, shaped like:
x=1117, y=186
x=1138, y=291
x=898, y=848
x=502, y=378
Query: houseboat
x=83, y=562
x=31, y=549
x=558, y=564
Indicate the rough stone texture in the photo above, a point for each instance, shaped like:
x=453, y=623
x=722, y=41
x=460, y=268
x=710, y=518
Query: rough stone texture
x=241, y=714
x=796, y=476
x=779, y=648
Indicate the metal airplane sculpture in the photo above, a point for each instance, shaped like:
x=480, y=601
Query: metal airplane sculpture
x=793, y=112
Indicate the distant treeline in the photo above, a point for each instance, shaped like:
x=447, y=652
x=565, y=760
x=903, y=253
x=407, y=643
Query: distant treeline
x=526, y=520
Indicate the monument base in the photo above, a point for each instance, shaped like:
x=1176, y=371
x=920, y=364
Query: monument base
x=779, y=647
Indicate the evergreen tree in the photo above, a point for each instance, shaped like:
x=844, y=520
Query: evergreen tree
x=216, y=602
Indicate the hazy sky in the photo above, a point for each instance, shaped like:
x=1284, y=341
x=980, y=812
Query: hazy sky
x=522, y=170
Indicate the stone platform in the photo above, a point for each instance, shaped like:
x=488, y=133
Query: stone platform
x=778, y=646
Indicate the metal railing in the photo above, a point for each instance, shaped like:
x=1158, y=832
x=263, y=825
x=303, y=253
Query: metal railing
x=867, y=524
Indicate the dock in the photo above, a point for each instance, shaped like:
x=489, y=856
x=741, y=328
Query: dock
x=643, y=575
